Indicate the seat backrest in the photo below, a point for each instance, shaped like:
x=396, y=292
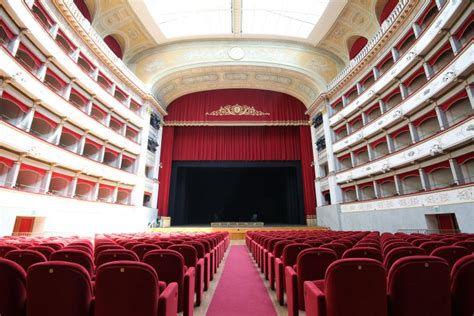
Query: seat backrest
x=163, y=244
x=469, y=245
x=79, y=257
x=364, y=279
x=462, y=286
x=124, y=288
x=397, y=253
x=312, y=263
x=110, y=255
x=99, y=248
x=278, y=247
x=169, y=264
x=386, y=249
x=25, y=258
x=188, y=252
x=291, y=252
x=81, y=248
x=199, y=248
x=58, y=288
x=129, y=244
x=337, y=247
x=271, y=244
x=419, y=241
x=141, y=249
x=6, y=248
x=419, y=285
x=363, y=252
x=54, y=245
x=12, y=288
x=429, y=246
x=45, y=250
x=450, y=253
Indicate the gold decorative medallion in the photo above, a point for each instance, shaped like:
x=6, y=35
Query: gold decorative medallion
x=237, y=109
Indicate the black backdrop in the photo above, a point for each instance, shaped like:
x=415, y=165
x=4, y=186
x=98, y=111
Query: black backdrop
x=203, y=192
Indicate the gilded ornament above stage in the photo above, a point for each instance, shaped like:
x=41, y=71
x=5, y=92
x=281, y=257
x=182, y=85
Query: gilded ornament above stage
x=237, y=109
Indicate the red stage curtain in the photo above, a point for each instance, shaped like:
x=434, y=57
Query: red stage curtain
x=307, y=170
x=193, y=107
x=81, y=5
x=165, y=172
x=114, y=46
x=358, y=45
x=236, y=143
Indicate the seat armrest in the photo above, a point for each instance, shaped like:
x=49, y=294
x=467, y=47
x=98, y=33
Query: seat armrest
x=291, y=280
x=188, y=297
x=168, y=300
x=314, y=299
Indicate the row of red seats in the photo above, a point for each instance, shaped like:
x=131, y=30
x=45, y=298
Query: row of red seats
x=107, y=278
x=291, y=261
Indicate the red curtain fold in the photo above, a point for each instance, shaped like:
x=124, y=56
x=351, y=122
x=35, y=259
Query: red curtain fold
x=166, y=168
x=307, y=170
x=197, y=107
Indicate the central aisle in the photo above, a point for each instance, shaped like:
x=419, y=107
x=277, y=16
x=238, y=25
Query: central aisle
x=241, y=290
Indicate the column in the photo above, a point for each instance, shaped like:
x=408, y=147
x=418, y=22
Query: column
x=319, y=195
x=398, y=185
x=390, y=143
x=75, y=55
x=68, y=89
x=376, y=72
x=395, y=54
x=416, y=30
x=413, y=133
x=365, y=119
x=440, y=3
x=470, y=94
x=425, y=183
x=55, y=139
x=82, y=143
x=47, y=180
x=370, y=152
x=442, y=119
x=73, y=185
x=95, y=74
x=88, y=108
x=15, y=44
x=457, y=172
x=15, y=170
x=383, y=107
x=107, y=118
x=95, y=192
x=360, y=88
x=28, y=119
x=41, y=73
x=54, y=30
x=353, y=159
x=102, y=153
x=378, y=193
x=112, y=88
x=119, y=159
x=334, y=188
x=124, y=128
x=403, y=91
x=115, y=193
x=429, y=72
x=358, y=193
x=128, y=101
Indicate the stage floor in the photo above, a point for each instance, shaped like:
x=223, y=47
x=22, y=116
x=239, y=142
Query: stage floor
x=235, y=232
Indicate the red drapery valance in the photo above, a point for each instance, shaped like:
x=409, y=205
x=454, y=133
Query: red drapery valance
x=258, y=106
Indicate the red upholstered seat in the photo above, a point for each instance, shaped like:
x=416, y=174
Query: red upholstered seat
x=355, y=287
x=25, y=258
x=363, y=252
x=101, y=247
x=45, y=250
x=75, y=256
x=201, y=252
x=311, y=265
x=163, y=244
x=125, y=288
x=469, y=245
x=386, y=249
x=54, y=245
x=12, y=288
x=169, y=265
x=4, y=249
x=337, y=247
x=462, y=286
x=266, y=256
x=429, y=246
x=277, y=252
x=129, y=244
x=58, y=288
x=141, y=249
x=110, y=255
x=397, y=253
x=419, y=286
x=81, y=248
x=288, y=258
x=191, y=259
x=450, y=253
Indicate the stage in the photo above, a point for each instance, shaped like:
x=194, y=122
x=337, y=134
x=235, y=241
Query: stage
x=236, y=232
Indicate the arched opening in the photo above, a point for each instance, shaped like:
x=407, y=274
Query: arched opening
x=114, y=46
x=54, y=82
x=440, y=175
x=123, y=197
x=85, y=64
x=106, y=193
x=104, y=82
x=341, y=132
x=91, y=150
x=401, y=138
x=98, y=114
x=385, y=64
x=465, y=33
x=69, y=140
x=131, y=134
x=120, y=95
x=355, y=44
x=345, y=162
x=349, y=194
x=416, y=81
x=442, y=58
x=367, y=81
x=30, y=178
x=42, y=16
x=428, y=15
x=406, y=42
x=5, y=167
x=84, y=189
x=116, y=125
x=427, y=125
x=361, y=156
x=86, y=13
x=380, y=148
x=373, y=113
x=387, y=188
x=457, y=108
x=110, y=157
x=356, y=124
x=128, y=164
x=351, y=94
x=466, y=163
x=11, y=109
x=59, y=184
x=411, y=182
x=27, y=59
x=65, y=43
x=6, y=35
x=393, y=99
x=135, y=107
x=42, y=126
x=337, y=106
x=78, y=100
x=367, y=191
x=384, y=8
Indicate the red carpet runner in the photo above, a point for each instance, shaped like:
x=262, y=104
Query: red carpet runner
x=241, y=290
